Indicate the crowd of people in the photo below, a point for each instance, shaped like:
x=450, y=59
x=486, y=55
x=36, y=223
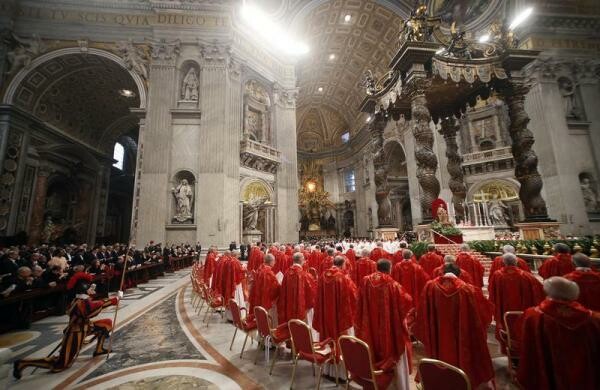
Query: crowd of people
x=47, y=268
x=386, y=296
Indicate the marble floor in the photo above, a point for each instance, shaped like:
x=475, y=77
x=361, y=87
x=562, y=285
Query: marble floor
x=161, y=343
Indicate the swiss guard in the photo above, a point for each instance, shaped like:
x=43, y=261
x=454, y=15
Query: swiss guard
x=82, y=309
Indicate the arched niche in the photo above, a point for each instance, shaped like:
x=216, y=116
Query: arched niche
x=189, y=85
x=395, y=159
x=183, y=196
x=252, y=188
x=257, y=112
x=498, y=197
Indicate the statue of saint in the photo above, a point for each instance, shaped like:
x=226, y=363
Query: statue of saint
x=567, y=89
x=498, y=211
x=251, y=212
x=442, y=216
x=48, y=229
x=184, y=196
x=190, y=86
x=590, y=197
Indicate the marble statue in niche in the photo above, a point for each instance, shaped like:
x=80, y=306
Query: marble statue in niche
x=184, y=197
x=568, y=91
x=190, y=86
x=498, y=211
x=250, y=212
x=254, y=124
x=590, y=196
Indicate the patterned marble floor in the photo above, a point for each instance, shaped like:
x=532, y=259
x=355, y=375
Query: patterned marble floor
x=161, y=342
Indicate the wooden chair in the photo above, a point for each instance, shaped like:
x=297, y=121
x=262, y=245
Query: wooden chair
x=512, y=326
x=239, y=323
x=214, y=302
x=305, y=348
x=436, y=374
x=359, y=366
x=267, y=335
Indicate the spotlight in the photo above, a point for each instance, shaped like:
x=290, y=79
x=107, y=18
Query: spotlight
x=521, y=18
x=484, y=38
x=128, y=93
x=368, y=119
x=347, y=18
x=331, y=57
x=320, y=89
x=440, y=50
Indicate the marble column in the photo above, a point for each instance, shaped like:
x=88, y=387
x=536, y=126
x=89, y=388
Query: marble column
x=221, y=131
x=382, y=190
x=449, y=129
x=284, y=112
x=38, y=206
x=154, y=179
x=425, y=157
x=526, y=160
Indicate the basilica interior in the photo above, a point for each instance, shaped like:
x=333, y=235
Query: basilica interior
x=220, y=123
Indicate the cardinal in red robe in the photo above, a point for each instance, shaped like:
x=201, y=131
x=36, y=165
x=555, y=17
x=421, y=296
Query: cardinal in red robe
x=378, y=252
x=498, y=263
x=558, y=265
x=316, y=256
x=335, y=306
x=209, y=265
x=411, y=276
x=229, y=275
x=430, y=260
x=466, y=262
x=512, y=289
x=351, y=255
x=364, y=267
x=264, y=289
x=587, y=280
x=560, y=346
x=282, y=262
x=450, y=266
x=380, y=321
x=255, y=258
x=327, y=261
x=452, y=321
x=297, y=294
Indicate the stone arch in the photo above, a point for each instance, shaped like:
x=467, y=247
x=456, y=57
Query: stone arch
x=395, y=158
x=250, y=185
x=20, y=76
x=184, y=213
x=475, y=188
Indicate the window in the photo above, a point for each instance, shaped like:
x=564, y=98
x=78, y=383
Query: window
x=119, y=156
x=346, y=137
x=349, y=180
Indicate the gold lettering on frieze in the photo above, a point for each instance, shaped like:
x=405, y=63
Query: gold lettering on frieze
x=210, y=21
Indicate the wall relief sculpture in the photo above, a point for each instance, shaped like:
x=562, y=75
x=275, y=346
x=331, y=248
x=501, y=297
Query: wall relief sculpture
x=590, y=193
x=135, y=58
x=25, y=49
x=568, y=91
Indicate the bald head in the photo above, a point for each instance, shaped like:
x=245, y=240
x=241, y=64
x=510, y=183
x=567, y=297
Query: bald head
x=508, y=249
x=431, y=247
x=560, y=288
x=464, y=247
x=407, y=254
x=298, y=258
x=449, y=259
x=581, y=261
x=330, y=251
x=269, y=259
x=509, y=259
x=338, y=261
x=384, y=266
x=365, y=252
x=561, y=248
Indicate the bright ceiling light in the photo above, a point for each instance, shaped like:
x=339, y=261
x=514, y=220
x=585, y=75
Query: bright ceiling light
x=347, y=18
x=368, y=119
x=320, y=89
x=520, y=18
x=128, y=93
x=271, y=32
x=484, y=38
x=331, y=57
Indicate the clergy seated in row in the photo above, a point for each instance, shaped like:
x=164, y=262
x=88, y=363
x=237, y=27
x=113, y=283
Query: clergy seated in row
x=410, y=275
x=588, y=281
x=296, y=296
x=383, y=306
x=560, y=346
x=512, y=289
x=558, y=265
x=431, y=260
x=498, y=262
x=364, y=267
x=452, y=321
x=264, y=290
x=451, y=266
x=467, y=262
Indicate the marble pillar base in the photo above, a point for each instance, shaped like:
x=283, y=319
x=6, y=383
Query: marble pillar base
x=386, y=233
x=251, y=236
x=538, y=230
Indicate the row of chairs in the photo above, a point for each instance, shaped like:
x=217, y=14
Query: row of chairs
x=354, y=354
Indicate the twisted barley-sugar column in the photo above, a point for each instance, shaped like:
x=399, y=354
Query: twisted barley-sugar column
x=526, y=161
x=456, y=183
x=426, y=159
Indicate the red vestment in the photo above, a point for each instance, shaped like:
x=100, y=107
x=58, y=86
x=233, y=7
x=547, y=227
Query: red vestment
x=452, y=321
x=464, y=275
x=255, y=258
x=499, y=263
x=335, y=305
x=557, y=265
x=589, y=288
x=560, y=347
x=466, y=262
x=379, y=253
x=297, y=295
x=230, y=274
x=314, y=261
x=512, y=289
x=364, y=267
x=380, y=320
x=411, y=277
x=351, y=255
x=282, y=263
x=430, y=261
x=209, y=267
x=325, y=264
x=264, y=290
